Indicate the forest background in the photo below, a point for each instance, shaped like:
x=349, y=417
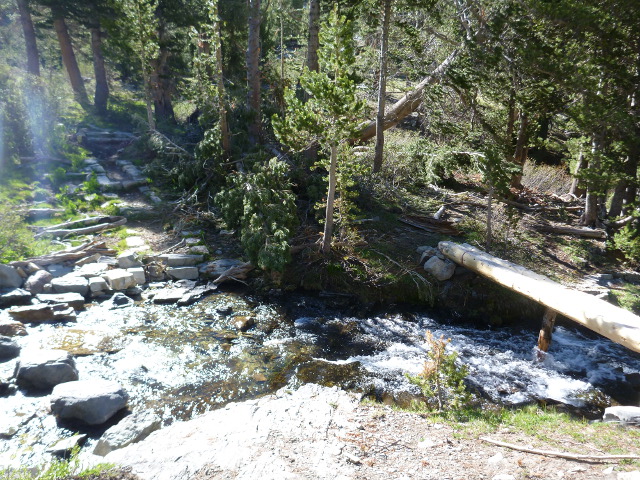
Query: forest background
x=258, y=116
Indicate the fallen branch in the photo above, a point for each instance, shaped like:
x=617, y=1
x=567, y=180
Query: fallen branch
x=574, y=231
x=430, y=224
x=71, y=254
x=237, y=273
x=568, y=456
x=111, y=222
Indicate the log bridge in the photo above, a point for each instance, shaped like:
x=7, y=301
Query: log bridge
x=617, y=324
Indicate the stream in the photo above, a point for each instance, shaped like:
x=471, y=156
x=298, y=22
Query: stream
x=184, y=361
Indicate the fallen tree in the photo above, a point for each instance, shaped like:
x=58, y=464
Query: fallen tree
x=407, y=104
x=85, y=226
x=71, y=254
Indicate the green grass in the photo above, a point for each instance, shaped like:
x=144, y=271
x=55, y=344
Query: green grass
x=628, y=297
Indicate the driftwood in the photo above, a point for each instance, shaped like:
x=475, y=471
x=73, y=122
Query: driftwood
x=91, y=225
x=43, y=212
x=407, y=104
x=431, y=225
x=71, y=254
x=615, y=323
x=574, y=231
x=568, y=456
x=237, y=273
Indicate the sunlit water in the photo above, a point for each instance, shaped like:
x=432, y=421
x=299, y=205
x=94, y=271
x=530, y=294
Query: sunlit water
x=183, y=361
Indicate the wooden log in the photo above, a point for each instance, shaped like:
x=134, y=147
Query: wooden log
x=615, y=323
x=110, y=222
x=574, y=231
x=71, y=254
x=544, y=337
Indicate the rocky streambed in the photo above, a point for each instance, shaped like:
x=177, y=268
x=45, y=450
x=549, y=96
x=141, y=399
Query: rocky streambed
x=147, y=354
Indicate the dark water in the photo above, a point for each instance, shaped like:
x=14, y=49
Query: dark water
x=183, y=361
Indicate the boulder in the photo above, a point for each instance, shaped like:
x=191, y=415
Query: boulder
x=430, y=252
x=441, y=269
x=70, y=283
x=97, y=285
x=90, y=401
x=90, y=259
x=58, y=270
x=33, y=313
x=169, y=295
x=622, y=414
x=12, y=328
x=179, y=260
x=66, y=445
x=199, y=250
x=128, y=260
x=36, y=282
x=183, y=273
x=119, y=279
x=218, y=267
x=91, y=270
x=138, y=275
x=9, y=277
x=132, y=429
x=44, y=369
x=8, y=349
x=73, y=300
x=16, y=296
x=118, y=300
x=155, y=272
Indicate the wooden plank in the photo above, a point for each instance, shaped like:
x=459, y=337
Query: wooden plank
x=610, y=321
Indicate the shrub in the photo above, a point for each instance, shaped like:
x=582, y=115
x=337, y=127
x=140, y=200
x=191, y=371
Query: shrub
x=442, y=378
x=262, y=207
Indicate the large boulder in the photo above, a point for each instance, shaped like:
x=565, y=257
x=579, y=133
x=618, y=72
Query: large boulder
x=44, y=369
x=73, y=300
x=129, y=260
x=43, y=313
x=36, y=282
x=132, y=429
x=138, y=275
x=71, y=283
x=9, y=277
x=90, y=401
x=15, y=296
x=8, y=348
x=119, y=279
x=91, y=270
x=441, y=269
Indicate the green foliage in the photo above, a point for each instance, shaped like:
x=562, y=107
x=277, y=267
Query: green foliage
x=628, y=297
x=442, y=379
x=57, y=177
x=627, y=240
x=91, y=185
x=261, y=206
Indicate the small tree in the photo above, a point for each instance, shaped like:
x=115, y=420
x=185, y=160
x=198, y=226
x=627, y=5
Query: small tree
x=332, y=113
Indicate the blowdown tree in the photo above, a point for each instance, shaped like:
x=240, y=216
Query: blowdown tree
x=330, y=117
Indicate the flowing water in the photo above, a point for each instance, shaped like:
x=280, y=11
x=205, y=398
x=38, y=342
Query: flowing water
x=183, y=361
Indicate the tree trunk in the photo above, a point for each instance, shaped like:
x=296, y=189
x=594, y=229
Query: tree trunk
x=160, y=79
x=590, y=216
x=69, y=59
x=33, y=58
x=331, y=195
x=253, y=73
x=222, y=109
x=407, y=104
x=520, y=154
x=576, y=190
x=313, y=43
x=382, y=88
x=101, y=96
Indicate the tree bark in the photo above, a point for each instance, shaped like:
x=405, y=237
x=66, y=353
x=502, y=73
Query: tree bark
x=520, y=154
x=101, y=96
x=160, y=78
x=33, y=58
x=407, y=104
x=253, y=73
x=575, y=189
x=313, y=43
x=590, y=216
x=222, y=109
x=382, y=88
x=331, y=195
x=69, y=59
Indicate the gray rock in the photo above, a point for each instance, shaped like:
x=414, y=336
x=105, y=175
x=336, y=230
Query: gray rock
x=132, y=429
x=90, y=401
x=119, y=279
x=138, y=275
x=632, y=277
x=73, y=300
x=58, y=270
x=36, y=282
x=155, y=272
x=622, y=414
x=244, y=323
x=441, y=269
x=179, y=260
x=196, y=294
x=306, y=323
x=118, y=300
x=9, y=277
x=70, y=284
x=16, y=296
x=199, y=250
x=44, y=369
x=91, y=270
x=429, y=252
x=169, y=295
x=108, y=260
x=90, y=259
x=8, y=348
x=97, y=285
x=12, y=328
x=65, y=445
x=183, y=273
x=218, y=267
x=128, y=260
x=33, y=313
